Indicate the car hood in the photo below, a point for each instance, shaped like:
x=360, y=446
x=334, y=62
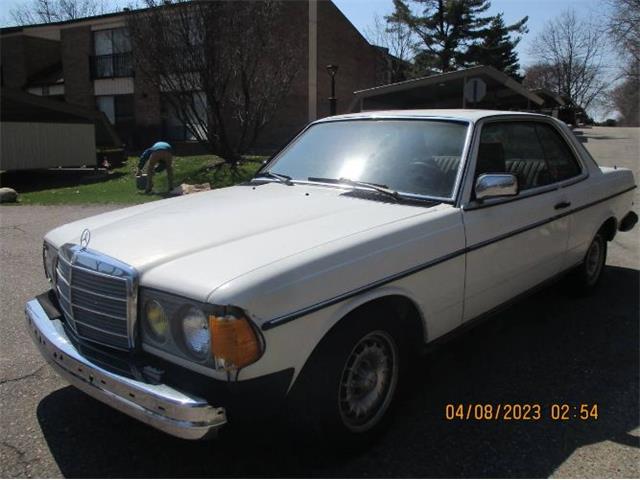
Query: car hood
x=193, y=244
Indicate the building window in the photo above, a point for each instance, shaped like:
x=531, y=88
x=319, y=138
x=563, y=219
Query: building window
x=112, y=54
x=119, y=109
x=174, y=128
x=106, y=105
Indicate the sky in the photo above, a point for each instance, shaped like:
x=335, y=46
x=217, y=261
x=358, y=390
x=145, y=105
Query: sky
x=362, y=13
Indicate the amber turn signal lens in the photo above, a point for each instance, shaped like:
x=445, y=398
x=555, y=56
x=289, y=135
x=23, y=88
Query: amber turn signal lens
x=234, y=342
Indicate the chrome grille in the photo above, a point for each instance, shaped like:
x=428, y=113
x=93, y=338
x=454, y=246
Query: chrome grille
x=98, y=296
x=100, y=286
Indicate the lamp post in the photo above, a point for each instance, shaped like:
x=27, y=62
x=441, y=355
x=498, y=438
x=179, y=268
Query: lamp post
x=332, y=69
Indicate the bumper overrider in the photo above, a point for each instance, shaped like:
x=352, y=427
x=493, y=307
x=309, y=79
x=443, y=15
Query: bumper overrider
x=160, y=406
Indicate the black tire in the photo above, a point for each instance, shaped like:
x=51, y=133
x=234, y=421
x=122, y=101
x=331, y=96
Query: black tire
x=323, y=395
x=586, y=277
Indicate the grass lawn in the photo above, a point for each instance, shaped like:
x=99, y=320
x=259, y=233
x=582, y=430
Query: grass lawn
x=56, y=187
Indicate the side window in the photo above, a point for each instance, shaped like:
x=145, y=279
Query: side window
x=560, y=159
x=513, y=147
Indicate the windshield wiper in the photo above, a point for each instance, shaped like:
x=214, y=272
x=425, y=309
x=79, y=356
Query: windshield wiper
x=286, y=179
x=384, y=189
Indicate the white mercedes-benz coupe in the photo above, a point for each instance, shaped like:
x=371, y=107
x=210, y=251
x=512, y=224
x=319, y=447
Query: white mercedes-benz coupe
x=367, y=237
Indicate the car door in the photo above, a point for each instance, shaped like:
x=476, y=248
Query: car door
x=569, y=170
x=513, y=243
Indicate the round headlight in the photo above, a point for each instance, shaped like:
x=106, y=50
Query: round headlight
x=195, y=331
x=156, y=320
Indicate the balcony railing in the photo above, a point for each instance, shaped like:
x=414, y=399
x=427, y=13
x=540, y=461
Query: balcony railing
x=111, y=66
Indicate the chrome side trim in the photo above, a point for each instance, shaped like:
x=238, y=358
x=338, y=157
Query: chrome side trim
x=288, y=317
x=275, y=322
x=160, y=406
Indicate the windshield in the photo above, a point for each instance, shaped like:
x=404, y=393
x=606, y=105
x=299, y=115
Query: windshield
x=419, y=157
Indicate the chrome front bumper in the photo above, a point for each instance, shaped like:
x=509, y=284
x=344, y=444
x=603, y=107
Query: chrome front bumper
x=160, y=406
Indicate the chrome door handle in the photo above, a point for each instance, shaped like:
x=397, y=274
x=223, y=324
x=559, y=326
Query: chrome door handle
x=562, y=205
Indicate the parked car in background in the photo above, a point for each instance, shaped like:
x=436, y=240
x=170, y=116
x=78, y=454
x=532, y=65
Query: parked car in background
x=315, y=284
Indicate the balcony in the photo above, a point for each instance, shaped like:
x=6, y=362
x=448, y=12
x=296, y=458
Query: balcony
x=112, y=66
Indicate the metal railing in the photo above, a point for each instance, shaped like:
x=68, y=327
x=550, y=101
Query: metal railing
x=111, y=66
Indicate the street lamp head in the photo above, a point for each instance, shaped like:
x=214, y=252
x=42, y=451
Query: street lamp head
x=332, y=69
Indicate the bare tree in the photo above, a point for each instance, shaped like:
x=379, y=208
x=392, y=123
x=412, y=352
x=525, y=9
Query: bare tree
x=398, y=40
x=224, y=67
x=541, y=75
x=625, y=99
x=570, y=51
x=624, y=26
x=47, y=11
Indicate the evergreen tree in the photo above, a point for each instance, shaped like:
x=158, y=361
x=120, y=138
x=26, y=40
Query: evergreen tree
x=498, y=48
x=448, y=31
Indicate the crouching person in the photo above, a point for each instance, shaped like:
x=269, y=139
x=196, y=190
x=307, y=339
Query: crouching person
x=157, y=158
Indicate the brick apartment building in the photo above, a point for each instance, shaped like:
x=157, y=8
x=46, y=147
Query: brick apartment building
x=88, y=62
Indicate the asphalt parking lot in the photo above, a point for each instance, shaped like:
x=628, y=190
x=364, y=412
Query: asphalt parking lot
x=550, y=348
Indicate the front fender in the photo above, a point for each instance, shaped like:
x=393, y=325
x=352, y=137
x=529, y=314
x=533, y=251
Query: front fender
x=436, y=292
x=293, y=343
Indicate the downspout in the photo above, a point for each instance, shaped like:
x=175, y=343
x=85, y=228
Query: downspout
x=313, y=60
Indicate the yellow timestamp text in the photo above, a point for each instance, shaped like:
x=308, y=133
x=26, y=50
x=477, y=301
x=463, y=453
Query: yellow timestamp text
x=521, y=411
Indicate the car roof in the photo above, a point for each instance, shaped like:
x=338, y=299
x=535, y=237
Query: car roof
x=454, y=114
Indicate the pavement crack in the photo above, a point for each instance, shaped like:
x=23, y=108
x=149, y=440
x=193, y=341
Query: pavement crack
x=21, y=455
x=15, y=449
x=13, y=227
x=23, y=377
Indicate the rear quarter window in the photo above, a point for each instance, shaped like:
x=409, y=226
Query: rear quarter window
x=560, y=159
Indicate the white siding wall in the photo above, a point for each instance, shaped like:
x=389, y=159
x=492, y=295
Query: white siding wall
x=113, y=86
x=28, y=145
x=53, y=90
x=107, y=24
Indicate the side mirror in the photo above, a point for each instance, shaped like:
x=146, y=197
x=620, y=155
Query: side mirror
x=491, y=185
